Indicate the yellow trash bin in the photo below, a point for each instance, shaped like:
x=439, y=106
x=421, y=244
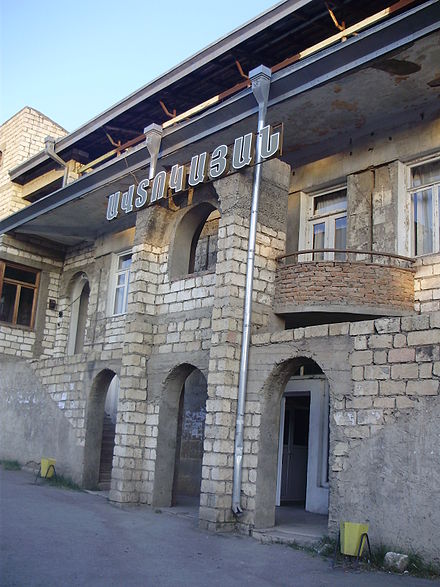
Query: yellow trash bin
x=47, y=467
x=351, y=537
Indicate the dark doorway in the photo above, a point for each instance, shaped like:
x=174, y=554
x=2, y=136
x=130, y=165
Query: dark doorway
x=295, y=450
x=190, y=437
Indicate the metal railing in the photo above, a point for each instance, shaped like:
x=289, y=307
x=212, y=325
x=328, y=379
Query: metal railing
x=347, y=255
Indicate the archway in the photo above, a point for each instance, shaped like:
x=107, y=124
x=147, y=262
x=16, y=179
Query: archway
x=180, y=438
x=100, y=430
x=292, y=477
x=79, y=303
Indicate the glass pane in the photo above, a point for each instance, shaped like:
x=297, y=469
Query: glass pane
x=20, y=274
x=25, y=306
x=7, y=301
x=330, y=202
x=121, y=279
x=423, y=222
x=125, y=261
x=427, y=173
x=318, y=240
x=340, y=237
x=119, y=301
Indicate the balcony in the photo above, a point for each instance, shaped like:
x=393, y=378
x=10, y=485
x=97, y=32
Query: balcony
x=342, y=285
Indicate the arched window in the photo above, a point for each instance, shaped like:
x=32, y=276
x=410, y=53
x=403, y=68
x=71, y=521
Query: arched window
x=203, y=254
x=78, y=316
x=195, y=242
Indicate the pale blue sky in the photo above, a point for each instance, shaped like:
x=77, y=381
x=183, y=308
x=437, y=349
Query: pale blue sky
x=73, y=60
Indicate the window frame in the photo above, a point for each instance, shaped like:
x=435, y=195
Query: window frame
x=435, y=206
x=115, y=272
x=20, y=284
x=311, y=219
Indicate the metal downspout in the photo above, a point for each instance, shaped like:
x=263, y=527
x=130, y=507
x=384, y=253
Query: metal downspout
x=260, y=78
x=49, y=149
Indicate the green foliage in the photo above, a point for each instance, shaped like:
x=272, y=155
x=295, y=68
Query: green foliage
x=10, y=465
x=63, y=482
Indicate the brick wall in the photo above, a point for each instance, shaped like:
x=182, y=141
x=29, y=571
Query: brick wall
x=343, y=283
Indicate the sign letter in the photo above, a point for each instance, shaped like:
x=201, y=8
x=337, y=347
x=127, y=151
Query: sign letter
x=142, y=194
x=127, y=200
x=270, y=143
x=243, y=151
x=158, y=190
x=219, y=162
x=197, y=169
x=177, y=178
x=112, y=206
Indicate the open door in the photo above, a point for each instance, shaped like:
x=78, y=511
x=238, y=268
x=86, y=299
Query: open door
x=303, y=445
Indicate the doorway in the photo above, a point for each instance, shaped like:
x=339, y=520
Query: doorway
x=189, y=440
x=302, y=479
x=295, y=450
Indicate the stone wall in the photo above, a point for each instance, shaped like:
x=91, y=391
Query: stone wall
x=38, y=342
x=21, y=137
x=384, y=388
x=427, y=284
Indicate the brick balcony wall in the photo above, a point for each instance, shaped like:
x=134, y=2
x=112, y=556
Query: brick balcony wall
x=324, y=283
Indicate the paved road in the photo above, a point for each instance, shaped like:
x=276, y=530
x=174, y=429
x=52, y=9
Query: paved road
x=57, y=537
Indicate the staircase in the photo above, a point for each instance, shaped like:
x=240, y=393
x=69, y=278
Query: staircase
x=107, y=447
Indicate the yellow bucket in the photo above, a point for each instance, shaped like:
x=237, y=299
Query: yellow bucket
x=47, y=467
x=351, y=537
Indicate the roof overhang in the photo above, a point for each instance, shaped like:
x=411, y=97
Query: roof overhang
x=340, y=93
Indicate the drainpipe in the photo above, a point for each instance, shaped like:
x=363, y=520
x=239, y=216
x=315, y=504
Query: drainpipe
x=153, y=137
x=260, y=78
x=49, y=149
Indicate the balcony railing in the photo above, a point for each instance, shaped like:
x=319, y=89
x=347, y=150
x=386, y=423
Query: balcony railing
x=343, y=255
x=344, y=280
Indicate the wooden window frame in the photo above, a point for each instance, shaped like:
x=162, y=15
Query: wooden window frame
x=20, y=284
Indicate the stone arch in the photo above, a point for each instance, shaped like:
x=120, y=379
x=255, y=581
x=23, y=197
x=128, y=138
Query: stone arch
x=272, y=393
x=185, y=247
x=94, y=427
x=169, y=433
x=78, y=293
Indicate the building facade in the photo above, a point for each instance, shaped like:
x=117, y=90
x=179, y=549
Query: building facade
x=122, y=295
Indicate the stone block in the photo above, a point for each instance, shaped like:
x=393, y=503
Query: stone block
x=425, y=387
x=364, y=327
x=401, y=355
x=345, y=418
x=361, y=358
x=377, y=372
x=405, y=371
x=362, y=388
x=380, y=341
x=369, y=417
x=384, y=325
x=392, y=387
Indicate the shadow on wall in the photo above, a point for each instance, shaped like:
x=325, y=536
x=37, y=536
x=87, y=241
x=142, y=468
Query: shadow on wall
x=32, y=424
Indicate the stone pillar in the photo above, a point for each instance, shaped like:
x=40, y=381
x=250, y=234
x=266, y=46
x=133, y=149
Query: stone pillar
x=235, y=201
x=134, y=455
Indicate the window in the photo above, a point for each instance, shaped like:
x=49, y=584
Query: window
x=122, y=283
x=425, y=195
x=19, y=287
x=327, y=226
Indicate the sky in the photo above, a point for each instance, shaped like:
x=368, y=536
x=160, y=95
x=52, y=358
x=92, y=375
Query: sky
x=71, y=61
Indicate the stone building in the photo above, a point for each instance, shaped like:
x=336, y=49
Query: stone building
x=123, y=259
